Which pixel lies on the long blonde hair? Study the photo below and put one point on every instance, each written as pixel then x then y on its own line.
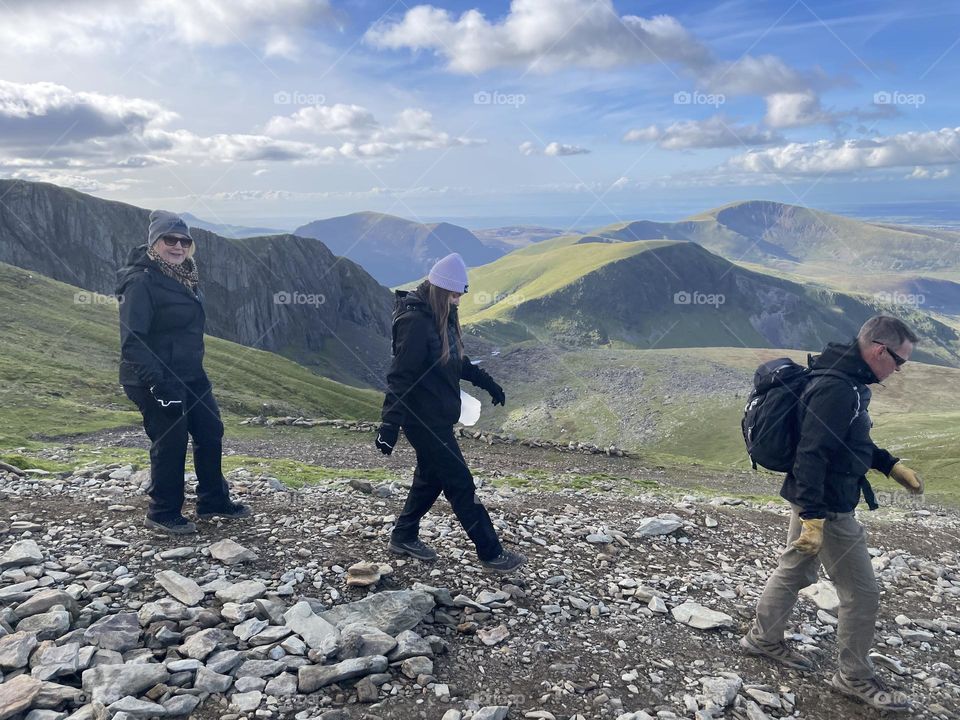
pixel 439 301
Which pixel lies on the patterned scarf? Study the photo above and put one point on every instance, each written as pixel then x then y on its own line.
pixel 185 273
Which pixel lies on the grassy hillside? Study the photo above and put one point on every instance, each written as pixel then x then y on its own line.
pixel 684 405
pixel 641 294
pixel 59 350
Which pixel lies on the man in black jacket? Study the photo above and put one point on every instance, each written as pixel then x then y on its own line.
pixel 824 487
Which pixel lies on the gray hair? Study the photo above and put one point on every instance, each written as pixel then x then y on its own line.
pixel 891 331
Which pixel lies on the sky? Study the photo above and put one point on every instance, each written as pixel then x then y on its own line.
pixel 572 113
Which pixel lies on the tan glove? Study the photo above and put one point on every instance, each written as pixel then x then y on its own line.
pixel 908 478
pixel 811 537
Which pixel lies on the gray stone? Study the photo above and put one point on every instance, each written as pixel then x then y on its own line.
pixel 15 650
pixel 224 661
pixel 409 645
pixel 391 612
pixel 360 640
pixel 136 708
pixel 46 599
pixel 316 631
pixel 17 695
pixel 246 702
pixel 182 588
pixel 660 525
pixel 201 644
pixel 120 632
pixel 180 553
pixel 249 684
pixel 315 677
pixel 269 635
pixel 416 666
pixel 260 668
pixel 248 628
pixel 53 661
pixel 18 592
pixel 823 594
pixel 46 626
pixel 283 685
pixel 492 712
pixel 180 705
pixel 25 552
pixel 721 691
pixel 241 592
pixel 230 552
pixel 163 609
pixel 108 683
pixel 697 616
pixel 212 682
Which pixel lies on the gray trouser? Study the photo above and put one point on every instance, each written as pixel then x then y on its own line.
pixel 844 556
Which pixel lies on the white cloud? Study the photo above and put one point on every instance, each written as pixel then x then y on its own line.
pixel 361 135
pixel 41 115
pixel 553 149
pixel 751 75
pixel 922 173
pixel 715 132
pixel 796 109
pixel 620 183
pixel 935 147
pixel 556 149
pixel 92 26
pixel 542 35
pixel 45 125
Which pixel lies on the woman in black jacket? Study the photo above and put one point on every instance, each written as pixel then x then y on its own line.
pixel 423 397
pixel 161 370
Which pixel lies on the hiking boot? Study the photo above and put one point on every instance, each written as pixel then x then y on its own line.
pixel 505 562
pixel 229 511
pixel 778 652
pixel 872 691
pixel 178 525
pixel 414 548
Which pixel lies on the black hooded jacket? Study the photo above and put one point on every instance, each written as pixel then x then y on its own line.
pixel 161 325
pixel 835 450
pixel 421 390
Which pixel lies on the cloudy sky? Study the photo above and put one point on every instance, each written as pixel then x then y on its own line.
pixel 278 111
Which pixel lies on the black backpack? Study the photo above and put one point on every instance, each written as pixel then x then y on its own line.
pixel 771 418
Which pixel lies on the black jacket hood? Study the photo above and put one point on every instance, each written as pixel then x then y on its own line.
pixel 846 358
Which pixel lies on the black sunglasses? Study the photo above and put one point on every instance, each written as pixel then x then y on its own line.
pixel 896 358
pixel 171 240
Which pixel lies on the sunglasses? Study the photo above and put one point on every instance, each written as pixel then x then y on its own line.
pixel 896 358
pixel 171 241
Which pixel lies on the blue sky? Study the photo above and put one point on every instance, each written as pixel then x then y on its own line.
pixel 570 111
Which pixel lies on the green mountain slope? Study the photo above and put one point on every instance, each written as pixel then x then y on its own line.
pixel 647 294
pixel 59 350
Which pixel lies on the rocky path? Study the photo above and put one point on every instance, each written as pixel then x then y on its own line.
pixel 630 607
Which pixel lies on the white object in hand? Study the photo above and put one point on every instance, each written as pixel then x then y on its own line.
pixel 469 409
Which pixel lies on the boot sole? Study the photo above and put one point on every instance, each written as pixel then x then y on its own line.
pixel 190 529
pixel 752 650
pixel 852 694
pixel 504 571
pixel 211 516
pixel 396 550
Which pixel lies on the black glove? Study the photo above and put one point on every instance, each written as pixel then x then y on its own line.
pixel 168 398
pixel 387 437
pixel 485 382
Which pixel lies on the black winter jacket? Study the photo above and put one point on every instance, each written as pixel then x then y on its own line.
pixel 161 325
pixel 420 389
pixel 835 450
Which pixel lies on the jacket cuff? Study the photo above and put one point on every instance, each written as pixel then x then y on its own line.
pixel 884 461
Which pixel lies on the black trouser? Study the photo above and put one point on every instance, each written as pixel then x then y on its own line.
pixel 441 468
pixel 168 449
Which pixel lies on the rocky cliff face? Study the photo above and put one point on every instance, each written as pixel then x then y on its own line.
pixel 283 293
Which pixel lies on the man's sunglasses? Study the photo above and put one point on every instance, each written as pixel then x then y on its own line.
pixel 896 358
pixel 171 240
